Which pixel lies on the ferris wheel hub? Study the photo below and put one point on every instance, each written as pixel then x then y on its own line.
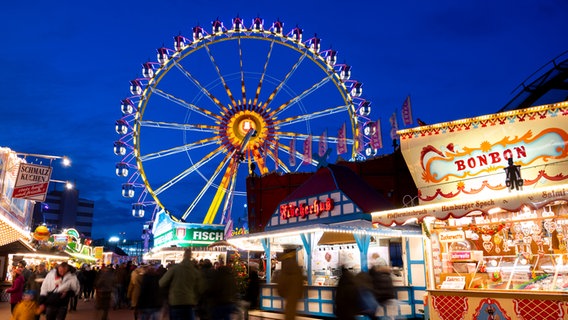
pixel 240 123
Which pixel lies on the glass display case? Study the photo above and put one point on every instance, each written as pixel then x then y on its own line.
pixel 524 250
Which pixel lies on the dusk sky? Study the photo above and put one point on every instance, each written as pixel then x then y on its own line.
pixel 66 66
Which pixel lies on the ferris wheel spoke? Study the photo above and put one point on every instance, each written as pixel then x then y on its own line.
pixel 227 206
pixel 221 191
pixel 285 80
pixel 301 96
pixel 175 150
pixel 263 73
pixel 180 126
pixel 207 185
pixel 201 88
pixel 229 93
pixel 310 116
pixel 185 104
pixel 243 90
pixel 189 170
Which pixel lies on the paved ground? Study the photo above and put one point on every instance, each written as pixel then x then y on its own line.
pixel 85 311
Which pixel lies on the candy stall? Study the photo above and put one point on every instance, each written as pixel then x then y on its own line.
pixel 493 199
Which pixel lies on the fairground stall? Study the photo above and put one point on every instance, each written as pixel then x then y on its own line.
pixel 327 219
pixel 493 196
pixel 171 238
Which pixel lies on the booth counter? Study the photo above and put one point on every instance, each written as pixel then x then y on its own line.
pixel 327 221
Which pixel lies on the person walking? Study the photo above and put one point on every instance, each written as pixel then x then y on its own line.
pixel 290 283
pixel 27 308
pixel 37 277
pixel 185 285
pixel 150 299
pixel 223 293
pixel 104 286
pixel 59 286
pixel 346 296
pixel 16 291
pixel 133 292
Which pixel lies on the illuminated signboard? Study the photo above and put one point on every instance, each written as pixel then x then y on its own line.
pixel 466 159
pixel 288 211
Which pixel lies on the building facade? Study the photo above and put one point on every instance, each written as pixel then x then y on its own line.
pixel 65 209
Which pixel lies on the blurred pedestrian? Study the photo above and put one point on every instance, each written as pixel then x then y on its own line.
pixel 383 287
pixel 104 286
pixel 90 276
pixel 75 298
pixel 133 292
pixel 253 289
pixel 290 283
pixel 223 292
pixel 185 285
pixel 59 286
pixel 205 302
pixel 346 296
pixel 16 291
pixel 36 278
pixel 150 299
pixel 27 273
pixel 27 308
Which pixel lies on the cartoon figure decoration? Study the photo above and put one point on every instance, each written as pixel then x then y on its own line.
pixel 513 178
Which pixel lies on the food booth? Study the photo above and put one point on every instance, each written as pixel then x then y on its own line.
pixel 493 199
pixel 171 238
pixel 327 220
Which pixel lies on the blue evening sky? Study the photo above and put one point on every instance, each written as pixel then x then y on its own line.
pixel 66 65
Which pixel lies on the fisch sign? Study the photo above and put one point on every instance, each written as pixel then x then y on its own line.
pixel 32 182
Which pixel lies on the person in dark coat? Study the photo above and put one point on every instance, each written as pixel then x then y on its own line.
pixel 223 293
pixel 383 287
pixel 346 296
pixel 290 283
pixel 253 289
pixel 150 299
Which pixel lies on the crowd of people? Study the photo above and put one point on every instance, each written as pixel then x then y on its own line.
pixel 184 291
pixel 188 290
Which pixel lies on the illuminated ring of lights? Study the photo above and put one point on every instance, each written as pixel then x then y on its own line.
pixel 231 118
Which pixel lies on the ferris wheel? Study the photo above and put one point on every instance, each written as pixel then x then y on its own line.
pixel 224 103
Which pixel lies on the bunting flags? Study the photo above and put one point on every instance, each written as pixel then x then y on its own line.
pixel 322 145
pixel 394 126
pixel 307 150
pixel 376 137
pixel 293 152
pixel 407 112
pixel 341 140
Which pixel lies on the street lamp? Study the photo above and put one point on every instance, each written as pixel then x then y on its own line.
pixel 65 161
pixel 68 184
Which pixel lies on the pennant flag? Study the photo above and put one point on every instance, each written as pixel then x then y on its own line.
pixel 264 150
pixel 276 156
pixel 376 137
pixel 361 139
pixel 341 140
pixel 293 152
pixel 322 146
pixel 394 126
pixel 407 112
pixel 307 150
pixel 229 229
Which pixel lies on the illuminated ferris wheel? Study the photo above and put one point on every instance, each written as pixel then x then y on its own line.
pixel 220 105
